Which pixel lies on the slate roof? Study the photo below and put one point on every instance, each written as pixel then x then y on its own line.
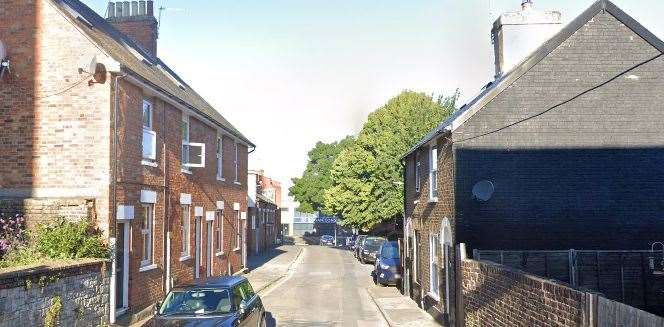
pixel 149 69
pixel 494 88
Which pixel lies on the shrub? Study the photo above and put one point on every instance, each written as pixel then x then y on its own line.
pixel 12 233
pixel 70 240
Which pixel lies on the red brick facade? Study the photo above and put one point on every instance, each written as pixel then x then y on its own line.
pixel 58 142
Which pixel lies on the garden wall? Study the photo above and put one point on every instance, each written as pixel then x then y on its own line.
pixel 69 295
pixel 496 295
pixel 40 210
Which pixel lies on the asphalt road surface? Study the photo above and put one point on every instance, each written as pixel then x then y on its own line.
pixel 325 287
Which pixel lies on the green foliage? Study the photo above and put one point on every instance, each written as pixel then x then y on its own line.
pixel 309 190
pixel 367 175
pixel 53 313
pixel 21 256
pixel 70 240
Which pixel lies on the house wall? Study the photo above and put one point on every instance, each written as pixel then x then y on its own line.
pixel 584 175
pixel 51 118
pixel 168 180
pixel 426 218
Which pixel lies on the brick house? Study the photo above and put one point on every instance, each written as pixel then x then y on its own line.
pixel 264 212
pixel 95 124
pixel 562 151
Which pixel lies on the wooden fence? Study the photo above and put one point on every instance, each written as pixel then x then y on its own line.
pixel 624 276
pixel 611 314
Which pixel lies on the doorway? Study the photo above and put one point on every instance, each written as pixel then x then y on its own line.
pixel 446 244
pixel 208 244
pixel 198 263
pixel 122 268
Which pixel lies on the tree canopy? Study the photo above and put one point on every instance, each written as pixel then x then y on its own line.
pixel 309 189
pixel 366 177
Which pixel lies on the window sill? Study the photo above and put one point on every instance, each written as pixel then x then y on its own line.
pixel 433 200
pixel 221 179
pixel 220 254
pixel 433 296
pixel 416 201
pixel 237 183
pixel 237 249
pixel 148 162
pixel 148 268
pixel 185 171
pixel 185 258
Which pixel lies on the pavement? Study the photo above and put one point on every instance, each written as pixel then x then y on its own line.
pixel 326 286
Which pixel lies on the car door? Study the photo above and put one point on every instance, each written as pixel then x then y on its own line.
pixel 252 303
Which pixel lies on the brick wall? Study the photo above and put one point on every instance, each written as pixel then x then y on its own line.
pixel 495 295
pixel 50 121
pixel 83 289
pixel 38 211
pixel 142 29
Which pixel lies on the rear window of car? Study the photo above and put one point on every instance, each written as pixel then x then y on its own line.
pixel 374 241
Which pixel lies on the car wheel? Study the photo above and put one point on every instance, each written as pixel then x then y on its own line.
pixel 375 280
pixel 362 260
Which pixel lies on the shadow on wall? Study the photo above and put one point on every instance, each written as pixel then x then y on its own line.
pixel 561 198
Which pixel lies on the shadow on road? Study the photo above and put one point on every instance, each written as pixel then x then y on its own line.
pixel 258 260
pixel 270 321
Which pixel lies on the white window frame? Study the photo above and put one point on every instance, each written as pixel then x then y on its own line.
pixel 147 239
pixel 184 158
pixel 185 231
pixel 149 135
pixel 219 230
pixel 220 157
pixel 417 171
pixel 434 252
pixel 433 174
pixel 236 162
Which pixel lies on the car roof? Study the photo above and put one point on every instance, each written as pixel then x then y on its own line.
pixel 222 282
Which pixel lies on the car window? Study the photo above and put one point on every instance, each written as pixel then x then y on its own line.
pixel 244 291
pixel 390 251
pixel 197 301
pixel 373 241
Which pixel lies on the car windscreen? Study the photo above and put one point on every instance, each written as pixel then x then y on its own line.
pixel 197 302
pixel 390 251
pixel 373 242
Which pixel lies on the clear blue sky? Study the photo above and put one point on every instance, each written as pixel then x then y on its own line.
pixel 291 72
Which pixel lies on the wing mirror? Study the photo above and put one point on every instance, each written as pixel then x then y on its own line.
pixel 243 307
pixel 156 307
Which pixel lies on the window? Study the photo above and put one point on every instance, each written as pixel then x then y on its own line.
pixel 184 229
pixel 184 127
pixel 149 135
pixel 219 230
pixel 236 243
pixel 146 234
pixel 220 159
pixel 417 171
pixel 433 266
pixel 433 174
pixel 236 162
pixel 416 259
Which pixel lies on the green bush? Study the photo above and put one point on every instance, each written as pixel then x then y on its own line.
pixel 70 240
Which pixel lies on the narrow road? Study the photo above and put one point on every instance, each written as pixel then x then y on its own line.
pixel 326 287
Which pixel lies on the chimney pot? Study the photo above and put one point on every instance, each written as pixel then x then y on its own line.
pixel 141 7
pixel 118 9
pixel 111 9
pixel 134 8
pixel 150 7
pixel 125 9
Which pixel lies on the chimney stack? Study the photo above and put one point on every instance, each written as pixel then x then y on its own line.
pixel 515 35
pixel 136 20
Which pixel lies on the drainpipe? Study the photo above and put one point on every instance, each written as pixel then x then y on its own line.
pixel 167 207
pixel 114 226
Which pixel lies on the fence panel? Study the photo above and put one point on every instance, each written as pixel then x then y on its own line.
pixel 611 314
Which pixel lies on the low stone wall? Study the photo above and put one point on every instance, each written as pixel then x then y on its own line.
pixel 70 295
pixel 40 210
pixel 496 295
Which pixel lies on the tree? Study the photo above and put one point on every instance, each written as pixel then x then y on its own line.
pixel 366 176
pixel 309 189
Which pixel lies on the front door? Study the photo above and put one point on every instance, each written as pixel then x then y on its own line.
pixel 208 253
pixel 198 263
pixel 448 276
pixel 122 268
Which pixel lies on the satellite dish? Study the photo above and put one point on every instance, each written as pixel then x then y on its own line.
pixel 92 66
pixel 483 190
pixel 3 51
pixel 99 73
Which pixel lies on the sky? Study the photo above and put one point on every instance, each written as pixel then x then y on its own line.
pixel 290 73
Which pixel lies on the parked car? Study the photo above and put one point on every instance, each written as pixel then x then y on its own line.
pixel 222 301
pixel 369 249
pixel 358 244
pixel 387 270
pixel 327 240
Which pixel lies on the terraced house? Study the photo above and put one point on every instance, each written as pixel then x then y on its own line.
pixel 95 125
pixel 561 151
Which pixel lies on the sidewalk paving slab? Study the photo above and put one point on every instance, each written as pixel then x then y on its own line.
pixel 399 310
pixel 267 268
